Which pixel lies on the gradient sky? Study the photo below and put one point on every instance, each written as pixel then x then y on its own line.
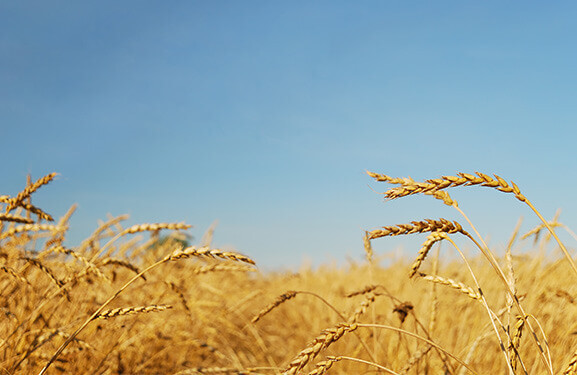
pixel 265 115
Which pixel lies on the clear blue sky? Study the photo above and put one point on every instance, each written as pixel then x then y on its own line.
pixel 264 115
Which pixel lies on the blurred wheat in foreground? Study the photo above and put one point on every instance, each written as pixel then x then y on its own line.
pixel 140 300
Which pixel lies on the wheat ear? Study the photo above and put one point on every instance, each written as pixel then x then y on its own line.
pixel 131 310
pixel 319 343
pixel 13 202
pixel 280 300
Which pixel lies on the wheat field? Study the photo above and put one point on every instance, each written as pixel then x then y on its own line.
pixel 137 299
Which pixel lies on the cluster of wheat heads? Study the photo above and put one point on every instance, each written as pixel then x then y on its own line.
pixel 127 300
pixel 102 306
pixel 506 314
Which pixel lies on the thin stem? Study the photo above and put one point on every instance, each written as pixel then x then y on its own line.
pixel 419 338
pixel 487 252
pixel 344 320
pixel 563 248
pixel 368 363
pixel 492 315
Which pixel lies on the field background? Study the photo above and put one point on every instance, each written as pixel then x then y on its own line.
pixel 128 300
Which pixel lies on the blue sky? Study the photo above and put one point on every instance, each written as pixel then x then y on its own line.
pixel 265 115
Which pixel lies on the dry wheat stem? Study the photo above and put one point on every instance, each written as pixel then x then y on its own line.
pixel 121 263
pixel 550 229
pixel 472 349
pixel 380 367
pixel 492 316
pixel 96 234
pixel 489 255
pixel 285 297
pixel 408 333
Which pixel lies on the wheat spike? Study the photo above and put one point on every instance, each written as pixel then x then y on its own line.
pixel 323 366
pixel 515 341
pixel 281 299
pixel 44 269
pixel 193 251
pixel 453 284
pixel 427 245
pixel 319 343
pixel 572 366
pixel 107 314
pixel 15 219
pixel 14 274
pixel 462 179
pixel 155 226
pixel 427 225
